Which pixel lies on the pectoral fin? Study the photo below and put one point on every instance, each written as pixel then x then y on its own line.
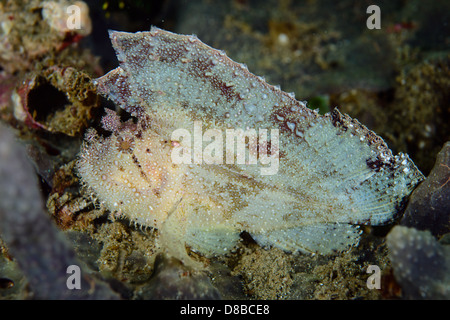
pixel 212 241
pixel 317 238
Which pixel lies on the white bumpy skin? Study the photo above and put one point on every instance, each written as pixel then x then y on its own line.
pixel 333 175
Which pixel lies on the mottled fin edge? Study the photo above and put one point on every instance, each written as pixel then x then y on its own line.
pixel 211 242
pixel 320 238
pixel 157 38
pixel 385 158
pixel 114 86
pixel 399 180
pixel 397 173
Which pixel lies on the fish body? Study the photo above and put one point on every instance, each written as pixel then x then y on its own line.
pixel 217 151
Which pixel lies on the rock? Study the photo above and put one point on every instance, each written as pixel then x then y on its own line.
pixel 40 249
pixel 428 207
pixel 421 264
pixel 173 280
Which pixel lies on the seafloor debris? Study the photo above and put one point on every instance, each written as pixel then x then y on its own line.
pixel 421 264
pixel 266 274
pixel 29 30
pixel 323 175
pixel 56 99
pixel 428 207
pixel 67 16
pixel 172 280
